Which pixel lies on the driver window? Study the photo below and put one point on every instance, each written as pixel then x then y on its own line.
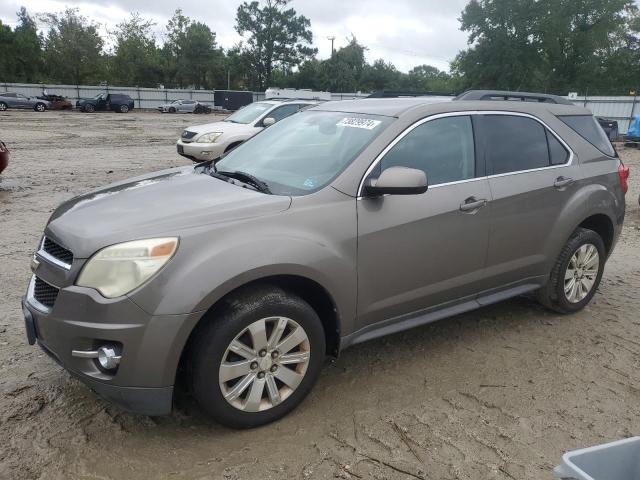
pixel 442 148
pixel 283 112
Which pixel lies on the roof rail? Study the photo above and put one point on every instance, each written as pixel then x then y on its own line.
pixel 293 99
pixel 406 93
pixel 512 96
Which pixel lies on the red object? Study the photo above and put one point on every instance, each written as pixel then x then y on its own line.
pixel 4 156
pixel 623 173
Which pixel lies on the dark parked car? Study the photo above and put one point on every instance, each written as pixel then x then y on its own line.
pixel 610 127
pixel 4 156
pixel 336 225
pixel 58 102
pixel 106 101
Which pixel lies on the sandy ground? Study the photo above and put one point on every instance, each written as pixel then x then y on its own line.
pixel 498 393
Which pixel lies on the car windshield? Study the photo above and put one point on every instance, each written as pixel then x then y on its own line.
pixel 303 153
pixel 249 114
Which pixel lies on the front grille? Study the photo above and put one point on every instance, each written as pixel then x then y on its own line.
pixel 44 293
pixel 187 135
pixel 57 251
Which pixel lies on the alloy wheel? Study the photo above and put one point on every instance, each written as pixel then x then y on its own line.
pixel 264 364
pixel 3 107
pixel 582 272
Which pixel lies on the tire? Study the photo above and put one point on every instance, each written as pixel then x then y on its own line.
pixel 172 110
pixel 3 106
pixel 89 108
pixel 39 107
pixel 264 308
pixel 123 109
pixel 586 280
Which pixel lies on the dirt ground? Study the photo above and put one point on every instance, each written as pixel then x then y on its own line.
pixel 499 393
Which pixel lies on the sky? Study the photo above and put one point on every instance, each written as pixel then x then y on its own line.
pixel 404 32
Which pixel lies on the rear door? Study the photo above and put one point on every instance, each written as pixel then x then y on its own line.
pixel 418 251
pixel 531 175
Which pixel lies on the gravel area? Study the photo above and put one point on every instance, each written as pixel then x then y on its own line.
pixel 498 393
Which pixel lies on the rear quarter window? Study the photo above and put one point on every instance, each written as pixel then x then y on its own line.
pixel 588 128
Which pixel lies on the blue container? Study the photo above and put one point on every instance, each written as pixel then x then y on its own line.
pixel 612 461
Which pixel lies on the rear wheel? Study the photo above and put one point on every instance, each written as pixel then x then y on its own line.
pixel 124 108
pixel 3 106
pixel 576 274
pixel 257 358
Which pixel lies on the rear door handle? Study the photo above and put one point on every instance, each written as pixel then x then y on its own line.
pixel 562 182
pixel 472 205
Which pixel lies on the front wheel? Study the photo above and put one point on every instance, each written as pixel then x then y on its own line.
pixel 40 107
pixel 257 357
pixel 3 106
pixel 89 108
pixel 576 274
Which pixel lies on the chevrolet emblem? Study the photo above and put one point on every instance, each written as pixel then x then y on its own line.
pixel 34 264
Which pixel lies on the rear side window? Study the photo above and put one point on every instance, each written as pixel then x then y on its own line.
pixel 588 128
pixel 442 148
pixel 514 143
pixel 557 153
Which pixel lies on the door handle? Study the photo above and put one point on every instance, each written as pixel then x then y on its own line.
pixel 472 205
pixel 562 182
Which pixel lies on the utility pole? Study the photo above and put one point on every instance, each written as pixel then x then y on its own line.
pixel 332 38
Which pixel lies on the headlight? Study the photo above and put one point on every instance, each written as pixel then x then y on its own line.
pixel 210 137
pixel 121 268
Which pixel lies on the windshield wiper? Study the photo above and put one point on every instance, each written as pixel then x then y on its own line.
pixel 247 178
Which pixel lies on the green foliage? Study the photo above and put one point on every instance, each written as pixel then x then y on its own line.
pixel 549 45
pixel 590 46
pixel 191 57
pixel 278 38
pixel 72 48
pixel 136 59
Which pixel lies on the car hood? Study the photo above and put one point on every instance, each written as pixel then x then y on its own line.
pixel 224 127
pixel 159 204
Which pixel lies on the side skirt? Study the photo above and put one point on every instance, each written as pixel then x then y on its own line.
pixel 433 314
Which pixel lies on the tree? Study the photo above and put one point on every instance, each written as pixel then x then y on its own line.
pixel 136 57
pixel 427 78
pixel 278 38
pixel 72 48
pixel 545 45
pixel 191 57
pixel 27 49
pixel 7 53
pixel 381 75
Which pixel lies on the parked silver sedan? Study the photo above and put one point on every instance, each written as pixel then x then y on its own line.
pixel 18 100
pixel 184 106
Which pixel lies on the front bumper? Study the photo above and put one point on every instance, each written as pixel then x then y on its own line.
pixel 82 320
pixel 200 151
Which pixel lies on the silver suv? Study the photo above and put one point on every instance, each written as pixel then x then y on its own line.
pixel 337 225
pixel 210 141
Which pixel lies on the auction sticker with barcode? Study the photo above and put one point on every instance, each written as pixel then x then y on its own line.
pixel 355 122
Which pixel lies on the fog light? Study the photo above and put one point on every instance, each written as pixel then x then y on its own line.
pixel 108 357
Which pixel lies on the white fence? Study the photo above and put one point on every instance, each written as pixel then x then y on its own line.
pixel 147 98
pixel 621 109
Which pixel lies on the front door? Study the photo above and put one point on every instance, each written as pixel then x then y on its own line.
pixel 419 251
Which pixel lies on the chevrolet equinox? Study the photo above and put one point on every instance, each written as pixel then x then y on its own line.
pixel 337 225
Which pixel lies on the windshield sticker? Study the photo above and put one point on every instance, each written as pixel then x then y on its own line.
pixel 353 122
pixel 309 183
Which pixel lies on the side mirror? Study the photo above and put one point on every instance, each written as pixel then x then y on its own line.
pixel 397 181
pixel 267 122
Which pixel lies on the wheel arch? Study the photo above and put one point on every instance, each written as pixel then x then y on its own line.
pixel 603 226
pixel 306 288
